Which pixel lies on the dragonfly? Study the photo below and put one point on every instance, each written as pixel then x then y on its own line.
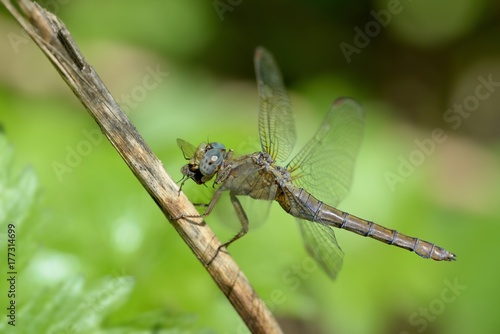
pixel 309 186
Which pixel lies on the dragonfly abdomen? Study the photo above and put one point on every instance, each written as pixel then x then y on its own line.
pixel 422 248
pixel 323 213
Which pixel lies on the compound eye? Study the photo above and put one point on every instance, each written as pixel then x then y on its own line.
pixel 218 146
pixel 211 161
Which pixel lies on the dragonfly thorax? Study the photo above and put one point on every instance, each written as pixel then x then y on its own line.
pixel 265 160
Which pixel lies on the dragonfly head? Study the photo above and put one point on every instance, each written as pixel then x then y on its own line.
pixel 205 162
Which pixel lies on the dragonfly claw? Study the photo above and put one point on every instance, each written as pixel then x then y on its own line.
pixel 215 255
pixel 187 218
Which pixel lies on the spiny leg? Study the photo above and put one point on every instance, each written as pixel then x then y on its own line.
pixel 201 204
pixel 210 206
pixel 243 220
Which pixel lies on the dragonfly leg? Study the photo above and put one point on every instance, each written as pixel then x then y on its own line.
pixel 210 206
pixel 201 204
pixel 242 216
pixel 243 220
pixel 183 180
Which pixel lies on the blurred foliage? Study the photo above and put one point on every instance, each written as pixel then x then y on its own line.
pixel 184 69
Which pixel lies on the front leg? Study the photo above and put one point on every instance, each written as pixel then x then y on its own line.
pixel 243 220
pixel 210 206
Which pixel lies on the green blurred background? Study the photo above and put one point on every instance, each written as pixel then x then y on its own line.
pixel 92 226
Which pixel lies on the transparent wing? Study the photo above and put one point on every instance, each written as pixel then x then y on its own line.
pixel 257 212
pixel 188 150
pixel 324 167
pixel 276 127
pixel 322 245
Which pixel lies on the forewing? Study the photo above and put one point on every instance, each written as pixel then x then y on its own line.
pixel 276 127
pixel 322 245
pixel 324 167
pixel 188 150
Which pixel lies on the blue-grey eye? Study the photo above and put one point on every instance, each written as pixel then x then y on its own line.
pixel 218 146
pixel 212 159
